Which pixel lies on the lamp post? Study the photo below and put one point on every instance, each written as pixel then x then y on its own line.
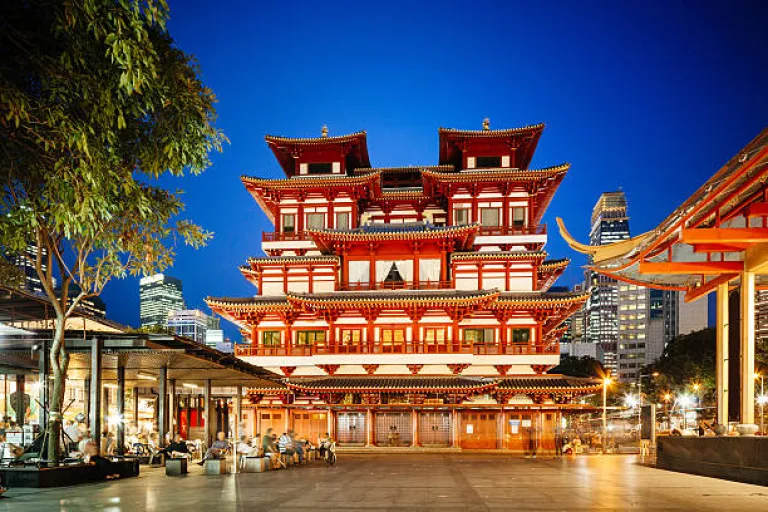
pixel 606 383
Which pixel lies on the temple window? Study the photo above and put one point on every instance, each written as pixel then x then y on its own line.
pixel 270 338
pixel 489 216
pixel 342 220
pixel 435 335
pixel 521 335
pixel 289 223
pixel 315 220
pixel 392 336
pixel 320 168
pixel 480 336
pixel 351 336
pixel 310 337
pixel 487 162
pixel 461 216
pixel 518 217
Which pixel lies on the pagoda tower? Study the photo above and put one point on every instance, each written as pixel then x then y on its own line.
pixel 408 306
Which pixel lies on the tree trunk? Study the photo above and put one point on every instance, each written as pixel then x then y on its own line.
pixel 59 365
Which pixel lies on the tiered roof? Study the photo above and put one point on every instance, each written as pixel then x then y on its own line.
pixel 523 140
pixel 353 148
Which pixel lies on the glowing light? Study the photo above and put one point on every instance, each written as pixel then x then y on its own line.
pixel 685 401
pixel 607 381
pixel 762 399
pixel 631 401
pixel 667 397
pixel 696 386
pixel 114 419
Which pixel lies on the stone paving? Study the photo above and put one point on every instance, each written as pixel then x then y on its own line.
pixel 410 482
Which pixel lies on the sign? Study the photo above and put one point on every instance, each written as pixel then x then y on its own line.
pixel 527 423
pixel 514 425
pixel 470 428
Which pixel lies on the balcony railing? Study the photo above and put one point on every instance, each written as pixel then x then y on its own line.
pixel 398 285
pixel 280 236
pixel 406 347
pixel 513 230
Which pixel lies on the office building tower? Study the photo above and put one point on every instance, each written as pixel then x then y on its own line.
pixel 158 295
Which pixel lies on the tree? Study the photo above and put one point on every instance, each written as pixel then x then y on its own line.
pixel 583 366
pixel 96 104
pixel 687 359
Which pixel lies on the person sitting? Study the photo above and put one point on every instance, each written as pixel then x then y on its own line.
pixel 106 468
pixel 324 442
pixel 73 436
pixel 177 449
pixel 269 447
pixel 285 444
pixel 298 445
pixel 218 449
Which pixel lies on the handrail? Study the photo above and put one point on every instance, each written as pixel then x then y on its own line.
pixel 281 236
pixel 395 285
pixel 405 347
pixel 541 229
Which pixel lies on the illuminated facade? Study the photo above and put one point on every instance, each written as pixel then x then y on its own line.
pixel 408 306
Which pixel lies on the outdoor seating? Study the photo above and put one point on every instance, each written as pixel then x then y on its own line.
pixel 254 465
pixel 216 466
pixel 176 466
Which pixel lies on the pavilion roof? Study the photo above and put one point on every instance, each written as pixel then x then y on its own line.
pixel 383 232
pixel 394 298
pixel 524 139
pixel 406 383
pixel 540 299
pixel 499 255
pixel 310 181
pixel 547 383
pixel 278 260
pixel 704 240
pixel 286 148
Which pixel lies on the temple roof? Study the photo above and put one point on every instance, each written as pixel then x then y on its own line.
pixel 310 181
pixel 353 148
pixel 499 174
pixel 703 241
pixel 404 168
pixel 258 302
pixel 395 298
pixel 540 299
pixel 277 260
pixel 499 255
pixel 436 384
pixel 522 141
pixel 406 231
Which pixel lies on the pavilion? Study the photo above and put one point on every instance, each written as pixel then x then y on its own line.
pixel 717 240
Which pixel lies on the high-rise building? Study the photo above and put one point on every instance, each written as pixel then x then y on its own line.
pixel 94 306
pixel 408 306
pixel 574 333
pixel 158 295
pixel 191 323
pixel 610 223
pixel 26 263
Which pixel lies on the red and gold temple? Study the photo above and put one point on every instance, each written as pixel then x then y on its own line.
pixel 408 306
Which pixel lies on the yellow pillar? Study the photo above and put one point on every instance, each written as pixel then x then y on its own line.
pixel 722 354
pixel 747 412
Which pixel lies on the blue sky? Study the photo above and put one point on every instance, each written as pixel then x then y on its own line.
pixel 652 97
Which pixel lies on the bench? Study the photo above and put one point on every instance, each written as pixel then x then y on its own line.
pixel 216 467
pixel 176 467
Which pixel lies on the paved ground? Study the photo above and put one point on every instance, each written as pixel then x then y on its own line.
pixel 411 482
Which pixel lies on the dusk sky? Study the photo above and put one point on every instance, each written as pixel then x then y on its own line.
pixel 649 97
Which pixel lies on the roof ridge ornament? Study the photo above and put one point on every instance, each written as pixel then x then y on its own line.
pixel 486 124
pixel 324 131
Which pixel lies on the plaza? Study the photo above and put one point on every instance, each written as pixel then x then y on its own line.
pixel 410 482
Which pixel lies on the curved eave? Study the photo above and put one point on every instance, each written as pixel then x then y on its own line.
pixel 309 182
pixel 541 301
pixel 499 174
pixel 246 305
pixel 337 139
pixel 366 299
pixel 500 256
pixel 281 260
pixel 528 129
pixel 437 234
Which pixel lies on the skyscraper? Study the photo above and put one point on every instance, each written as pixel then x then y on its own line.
pixel 610 223
pixel 158 295
pixel 26 263
pixel 192 323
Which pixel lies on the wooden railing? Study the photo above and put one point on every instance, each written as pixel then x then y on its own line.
pixel 406 347
pixel 399 285
pixel 512 230
pixel 280 236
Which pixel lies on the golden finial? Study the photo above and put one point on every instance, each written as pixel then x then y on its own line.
pixel 486 124
pixel 324 131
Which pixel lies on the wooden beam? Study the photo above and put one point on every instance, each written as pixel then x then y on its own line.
pixel 719 247
pixel 724 235
pixel 756 258
pixel 709 286
pixel 757 210
pixel 692 267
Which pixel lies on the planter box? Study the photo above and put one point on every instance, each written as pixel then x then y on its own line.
pixel 30 476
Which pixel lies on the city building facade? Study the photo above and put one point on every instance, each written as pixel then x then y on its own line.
pixel 159 295
pixel 191 323
pixel 408 306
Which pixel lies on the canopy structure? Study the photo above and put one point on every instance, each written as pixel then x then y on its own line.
pixel 716 239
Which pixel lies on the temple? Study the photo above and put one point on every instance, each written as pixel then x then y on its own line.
pixel 408 306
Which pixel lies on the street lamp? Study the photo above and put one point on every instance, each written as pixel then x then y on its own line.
pixel 606 382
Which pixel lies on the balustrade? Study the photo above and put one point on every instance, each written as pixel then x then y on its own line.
pixel 406 347
pixel 513 230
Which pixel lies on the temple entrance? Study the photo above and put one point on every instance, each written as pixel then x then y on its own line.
pixel 435 429
pixel 273 419
pixel 548 423
pixel 310 425
pixel 479 429
pixel 394 429
pixel 350 428
pixel 517 431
